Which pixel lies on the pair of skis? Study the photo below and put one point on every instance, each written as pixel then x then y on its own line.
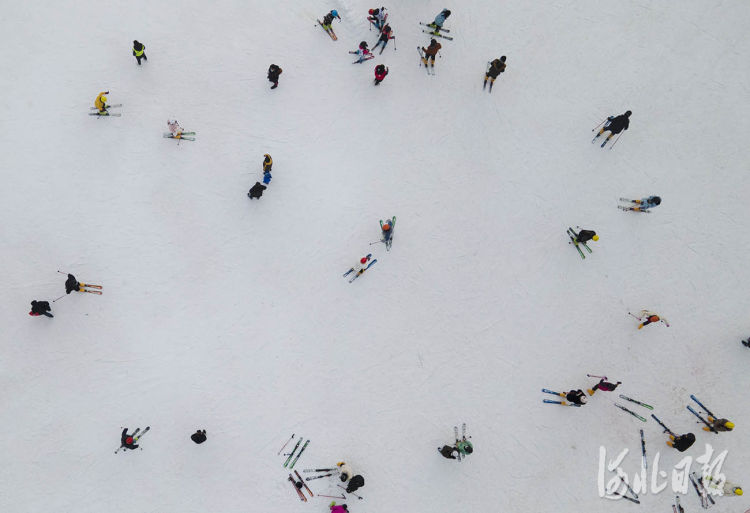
pixel 436 31
pixel 106 112
pixel 135 436
pixel 328 31
pixel 364 58
pixel 606 139
pixel 291 454
pixel 85 287
pixel 423 60
pixel 700 489
pixel 181 136
pixel 642 419
pixel 561 403
pixel 298 486
pixel 574 240
pixel 631 208
pixel 359 273
pixel 634 497
pixel 708 412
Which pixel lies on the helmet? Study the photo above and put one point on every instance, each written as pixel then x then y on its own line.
pixel 657 200
pixel 628 113
pixel 129 440
pixel 363 260
pixel 371 11
pixel 502 59
pixel 267 155
pixel 447 12
pixel 469 449
pixel 737 490
pixel 595 237
pixel 335 13
pixel 103 98
pixel 729 425
pixel 433 41
pixel 386 226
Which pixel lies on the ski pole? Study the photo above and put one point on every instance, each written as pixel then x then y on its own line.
pixel 600 124
pixel 613 144
pixel 592 376
pixel 290 439
pixel 376 242
pixel 61 272
pixel 350 493
pixel 394 43
pixel 59 298
pixel 332 496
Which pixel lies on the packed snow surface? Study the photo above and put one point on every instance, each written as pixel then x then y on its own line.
pixel 231 315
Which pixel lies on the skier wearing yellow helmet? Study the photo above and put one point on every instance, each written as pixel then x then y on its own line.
pixel 267 165
pixel 719 424
pixel 101 102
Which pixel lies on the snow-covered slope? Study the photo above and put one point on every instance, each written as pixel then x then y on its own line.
pixel 231 315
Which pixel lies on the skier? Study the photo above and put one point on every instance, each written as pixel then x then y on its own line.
pixel 128 441
pixel 496 67
pixel 385 36
pixel 586 235
pixel 682 443
pixel 338 509
pixel 72 284
pixel 40 308
pixel 386 230
pixel 377 17
pixel 604 386
pixel 256 191
pixel 647 318
pixel 380 72
pixel 464 447
pixel 355 483
pixel 449 451
pixel 139 50
pixel 273 75
pixel 576 397
pixel 345 471
pixel 719 424
pixel 199 436
pixel 646 203
pixel 728 488
pixel 431 51
pixel 439 20
pixel 267 164
pixel 101 103
pixel 328 19
pixel 363 52
pixel 174 128
pixel 615 125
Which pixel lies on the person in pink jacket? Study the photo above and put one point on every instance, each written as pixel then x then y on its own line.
pixel 339 509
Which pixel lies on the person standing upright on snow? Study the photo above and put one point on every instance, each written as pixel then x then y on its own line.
pixel 380 72
pixel 40 308
pixel 139 52
pixel 267 165
pixel 328 19
pixel 604 386
pixel 646 318
pixel 377 17
pixel 101 102
pixel 128 441
pixel 273 75
pixel 496 67
pixel 385 36
pixel 615 125
pixel 386 230
pixel 437 24
pixel 431 51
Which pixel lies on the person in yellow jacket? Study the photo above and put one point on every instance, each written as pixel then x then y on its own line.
pixel 101 103
pixel 139 51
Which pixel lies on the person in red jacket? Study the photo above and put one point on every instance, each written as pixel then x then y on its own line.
pixel 380 72
pixel 385 35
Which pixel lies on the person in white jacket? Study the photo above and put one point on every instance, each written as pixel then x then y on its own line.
pixel 729 488
pixel 345 471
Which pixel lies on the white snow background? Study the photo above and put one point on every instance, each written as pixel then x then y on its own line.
pixel 232 315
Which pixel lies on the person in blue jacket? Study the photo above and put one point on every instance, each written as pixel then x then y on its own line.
pixel 440 19
pixel 646 203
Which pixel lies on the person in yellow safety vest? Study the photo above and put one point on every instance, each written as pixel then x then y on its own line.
pixel 139 50
pixel 101 102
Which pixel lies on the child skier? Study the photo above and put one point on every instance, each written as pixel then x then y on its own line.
pixel 439 20
pixel 604 386
pixel 380 72
pixel 615 125
pixel 128 441
pixel 40 308
pixel 363 52
pixel 464 447
pixel 645 317
pixel 256 191
pixel 273 75
pixel 682 443
pixel 328 19
pixel 174 128
pixel 139 50
pixel 431 51
pixel 496 67
pixel 101 103
pixel 385 36
pixel 360 267
pixel 377 17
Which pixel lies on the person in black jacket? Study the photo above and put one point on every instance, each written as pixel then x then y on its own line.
pixel 273 75
pixel 586 235
pixel 40 308
pixel 615 125
pixel 682 443
pixel 355 483
pixel 448 451
pixel 256 191
pixel 576 397
pixel 71 284
pixel 199 436
pixel 127 440
pixel 139 52
pixel 496 67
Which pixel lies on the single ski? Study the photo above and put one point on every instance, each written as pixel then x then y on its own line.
pixel 431 25
pixel 702 406
pixel 643 451
pixel 317 477
pixel 170 134
pixel 546 391
pixel 666 429
pixel 318 469
pixel 634 414
pixel 636 402
pixel 108 114
pixel 299 492
pixel 626 497
pixel 303 484
pixel 90 286
pixel 710 427
pixel 363 270
pixel 632 492
pixel 679 506
pixel 91 291
pixel 299 454
pixel 449 38
pixel 561 403
pixel 292 453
